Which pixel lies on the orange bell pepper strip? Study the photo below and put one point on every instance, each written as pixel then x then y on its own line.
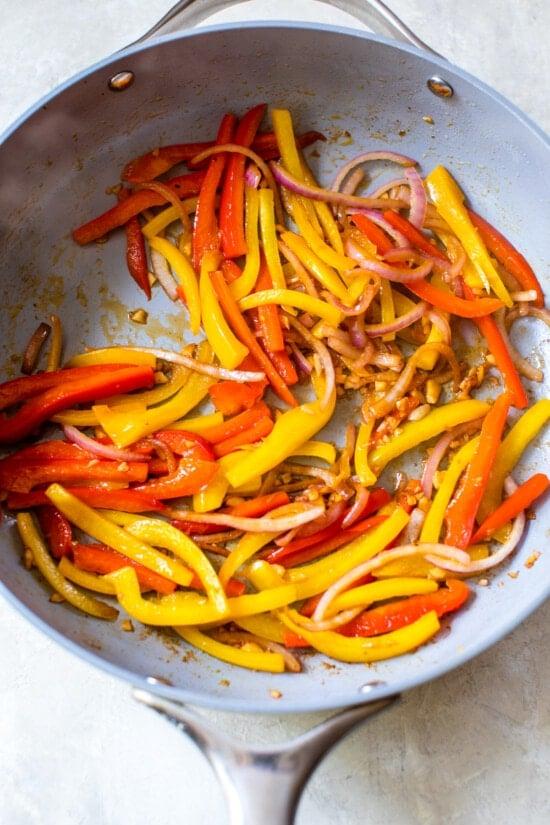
pixel 136 255
pixel 129 501
pixel 186 444
pixel 512 260
pixel 230 397
pixel 43 452
pixel 232 197
pixel 413 235
pixel 461 513
pixel 205 230
pixel 22 477
pixel 189 477
pixel 452 303
pixel 39 408
pixel 119 215
pixel 260 505
pixel 237 424
pixel 258 430
pixel 231 271
pixel 243 332
pixel 398 614
pixel 284 366
pixel 522 498
pixel 268 316
pixel 373 232
pixel 97 558
pixel 57 530
pixel 501 354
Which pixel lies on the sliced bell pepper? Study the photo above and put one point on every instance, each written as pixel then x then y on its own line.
pixel 461 513
pixel 452 303
pixel 230 397
pixel 326 253
pixel 255 432
pixel 46 565
pixel 322 272
pixel 128 500
pixel 414 433
pixel 205 230
pixel 90 581
pixel 390 617
pixel 198 424
pixel 232 197
pixel 323 211
pixel 521 434
pixel 364 595
pixel 243 332
pixel 119 215
pixel 244 284
pixel 136 255
pixel 45 451
pixel 449 202
pixel 268 315
pixel 186 277
pixel 512 260
pixel 414 235
pixel 360 458
pixel 291 297
pixel 41 407
pixel 189 477
pixel 503 360
pixel 373 232
pixel 186 444
pixel 260 505
pixel 268 231
pixel 228 348
pixel 284 366
pixel 251 659
pixel 113 357
pixel 97 558
pixel 237 424
pixel 21 478
pixel 56 529
pixel 519 500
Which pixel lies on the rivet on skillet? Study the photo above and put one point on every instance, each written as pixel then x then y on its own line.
pixel 370 686
pixel 159 680
pixel 439 87
pixel 121 81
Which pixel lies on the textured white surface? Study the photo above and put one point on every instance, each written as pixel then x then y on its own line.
pixel 473 747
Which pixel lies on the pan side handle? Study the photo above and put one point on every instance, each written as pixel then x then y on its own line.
pixel 262 784
pixel 373 13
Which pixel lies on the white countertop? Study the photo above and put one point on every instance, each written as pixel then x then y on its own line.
pixel 473 747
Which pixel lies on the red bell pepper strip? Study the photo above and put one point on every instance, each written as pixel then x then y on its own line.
pixel 522 498
pixel 512 260
pixel 129 501
pixel 497 345
pixel 258 430
pixel 413 234
pixel 461 513
pixel 183 186
pixel 285 367
pixel 237 424
pixel 232 197
pixel 451 303
pixel 292 640
pixel 97 558
pixel 373 232
pixel 186 444
pixel 160 160
pixel 41 407
pixel 309 606
pixel 231 271
pixel 378 498
pixel 260 505
pixel 20 389
pixel 398 614
pixel 46 451
pixel 230 397
pixel 21 478
pixel 243 332
pixel 268 316
pixel 234 588
pixel 195 528
pixel 56 529
pixel 188 479
pixel 136 256
pixel 205 230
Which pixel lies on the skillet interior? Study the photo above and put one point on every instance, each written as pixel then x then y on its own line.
pixel 54 171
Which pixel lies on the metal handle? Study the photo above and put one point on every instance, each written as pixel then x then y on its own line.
pixel 262 785
pixel 373 13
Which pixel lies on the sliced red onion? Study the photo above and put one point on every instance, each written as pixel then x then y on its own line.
pixel 361 307
pixel 324 357
pixel 365 157
pixel 286 538
pixel 524 367
pixel 355 179
pixel 362 496
pixel 388 360
pixel 413 528
pixel 241 376
pixel 419 201
pixel 74 435
pixel 317 193
pixel 301 361
pixel 433 462
pixel 163 274
pixel 251 525
pixel 377 218
pixel 439 321
pixel 252 176
pixel 391 273
pixel 331 514
pixel 387 187
pixel 342 348
pixel 356 329
pixel 344 617
pixel 401 322
pixel 522 312
pixel 365 358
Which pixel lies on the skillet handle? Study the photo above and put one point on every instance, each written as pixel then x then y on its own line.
pixel 373 13
pixel 262 785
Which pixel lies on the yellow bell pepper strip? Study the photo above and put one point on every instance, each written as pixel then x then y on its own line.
pixel 433 522
pixel 212 496
pixel 33 541
pixel 113 355
pixel 244 284
pixel 163 219
pixel 229 460
pixel 290 297
pixel 252 603
pixel 91 581
pixel 185 274
pixel 520 436
pixel 429 359
pixel 251 659
pixel 269 238
pixel 324 212
pixel 76 418
pixel 247 546
pixel 367 594
pixel 124 428
pixel 160 393
pixel 415 432
pixel 325 274
pixel 229 350
pixel 317 449
pixel 416 566
pixel 198 424
pixel 265 625
pixel 449 202
pixel 161 534
pixel 369 649
pixel 263 575
pixel 325 252
pixel 387 308
pixel 292 429
pixel 314 578
pixel 361 461
pixel 101 529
